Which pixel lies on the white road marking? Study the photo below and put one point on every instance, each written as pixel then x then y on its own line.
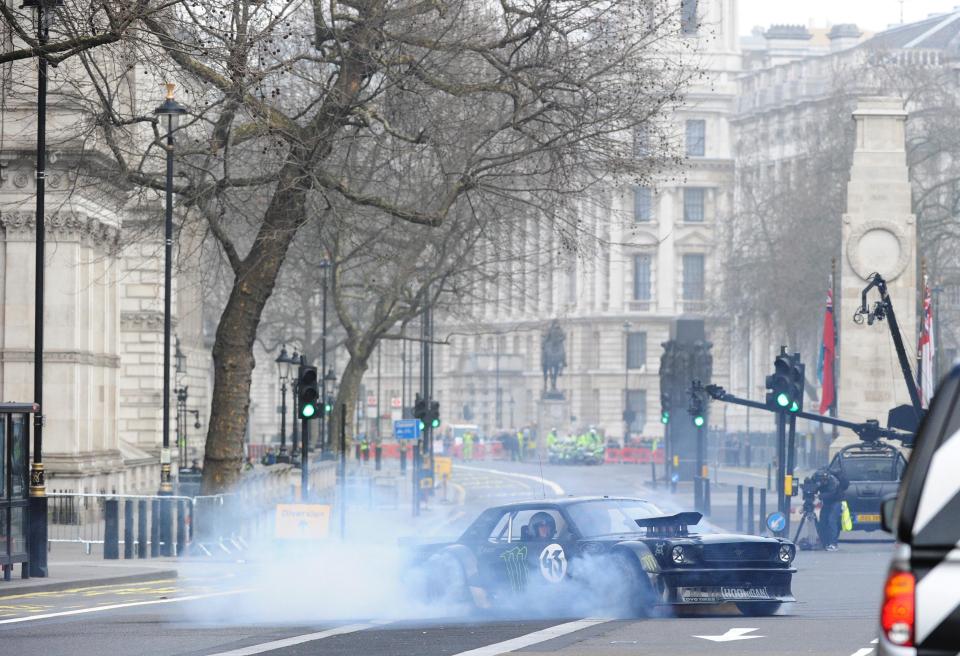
pixel 546 482
pixel 132 604
pixel 532 638
pixel 866 651
pixel 295 640
pixel 875 641
pixel 731 635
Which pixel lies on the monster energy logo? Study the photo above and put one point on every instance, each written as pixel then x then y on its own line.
pixel 516 563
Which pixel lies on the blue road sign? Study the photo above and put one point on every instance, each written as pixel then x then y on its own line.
pixel 406 429
pixel 776 521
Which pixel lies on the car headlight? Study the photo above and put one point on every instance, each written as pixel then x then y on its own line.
pixel 786 553
pixel 678 556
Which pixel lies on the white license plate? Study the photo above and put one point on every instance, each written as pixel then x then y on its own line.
pixel 744 593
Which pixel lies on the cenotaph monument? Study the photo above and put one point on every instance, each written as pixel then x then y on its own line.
pixel 879 235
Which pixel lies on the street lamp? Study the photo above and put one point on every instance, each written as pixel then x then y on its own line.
pixel 324 447
pixel 283 372
pixel 329 385
pixel 169 113
pixel 181 392
pixel 295 361
pixel 44 12
pixel 627 414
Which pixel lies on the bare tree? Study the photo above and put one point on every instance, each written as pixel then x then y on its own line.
pixel 531 102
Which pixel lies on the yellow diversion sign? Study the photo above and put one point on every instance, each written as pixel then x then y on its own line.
pixel 302 521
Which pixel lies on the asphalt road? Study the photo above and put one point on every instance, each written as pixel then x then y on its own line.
pixel 350 602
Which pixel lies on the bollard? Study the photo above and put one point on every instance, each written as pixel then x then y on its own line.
pixel 653 473
pixel 403 459
pixel 166 527
pixel 142 537
pixel 356 449
pixel 706 496
pixel 181 526
pixel 128 528
pixel 750 515
pixel 739 509
pixel 111 529
pixel 698 494
pixel 768 475
pixel 377 455
pixel 763 510
pixel 154 528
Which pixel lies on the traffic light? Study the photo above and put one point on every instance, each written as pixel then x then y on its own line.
pixel 420 410
pixel 698 404
pixel 434 414
pixel 785 385
pixel 664 406
pixel 328 405
pixel 664 417
pixel 779 394
pixel 308 392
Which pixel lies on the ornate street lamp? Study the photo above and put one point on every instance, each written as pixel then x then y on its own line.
pixel 627 412
pixel 44 12
pixel 283 372
pixel 169 113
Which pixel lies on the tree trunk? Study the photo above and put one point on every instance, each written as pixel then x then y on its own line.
pixel 233 359
pixel 347 396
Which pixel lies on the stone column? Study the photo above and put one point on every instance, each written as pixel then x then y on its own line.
pixel 879 234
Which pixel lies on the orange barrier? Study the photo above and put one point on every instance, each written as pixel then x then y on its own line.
pixel 638 455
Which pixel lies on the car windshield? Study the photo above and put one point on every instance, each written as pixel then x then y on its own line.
pixel 610 516
pixel 872 468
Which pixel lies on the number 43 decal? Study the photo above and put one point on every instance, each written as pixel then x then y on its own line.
pixel 553 563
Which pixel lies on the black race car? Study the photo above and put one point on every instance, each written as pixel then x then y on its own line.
pixel 623 553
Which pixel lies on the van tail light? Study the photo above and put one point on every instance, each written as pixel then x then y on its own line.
pixel 897 615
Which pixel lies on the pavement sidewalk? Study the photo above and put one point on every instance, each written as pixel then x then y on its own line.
pixel 69 569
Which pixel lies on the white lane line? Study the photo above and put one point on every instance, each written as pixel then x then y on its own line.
pixel 866 651
pixel 132 604
pixel 295 640
pixel 527 477
pixel 533 638
pixel 875 641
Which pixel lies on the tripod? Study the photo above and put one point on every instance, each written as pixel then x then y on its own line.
pixel 808 514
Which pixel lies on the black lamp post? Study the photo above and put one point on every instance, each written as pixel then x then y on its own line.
pixel 627 412
pixel 169 113
pixel 283 370
pixel 329 386
pixel 295 361
pixel 44 13
pixel 180 368
pixel 324 447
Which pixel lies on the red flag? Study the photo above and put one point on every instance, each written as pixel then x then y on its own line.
pixel 827 354
pixel 926 348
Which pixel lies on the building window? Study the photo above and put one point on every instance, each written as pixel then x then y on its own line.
pixel 641 277
pixel 642 204
pixel 694 203
pixel 688 17
pixel 696 138
pixel 693 277
pixel 637 401
pixel 636 350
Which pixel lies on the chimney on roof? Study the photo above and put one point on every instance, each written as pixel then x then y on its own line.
pixel 844 36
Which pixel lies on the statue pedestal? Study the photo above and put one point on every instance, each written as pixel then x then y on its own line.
pixel 553 411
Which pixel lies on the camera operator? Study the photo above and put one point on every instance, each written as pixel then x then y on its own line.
pixel 831 485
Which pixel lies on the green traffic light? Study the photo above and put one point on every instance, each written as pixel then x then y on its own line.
pixel 327 408
pixel 422 425
pixel 435 423
pixel 308 410
pixel 698 421
pixel 665 418
pixel 794 407
pixel 783 400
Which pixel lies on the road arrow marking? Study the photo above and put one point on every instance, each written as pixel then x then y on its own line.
pixel 731 635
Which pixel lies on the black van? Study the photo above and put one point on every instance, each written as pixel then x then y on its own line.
pixel 920 615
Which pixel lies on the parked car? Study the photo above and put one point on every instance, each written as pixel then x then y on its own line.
pixel 874 470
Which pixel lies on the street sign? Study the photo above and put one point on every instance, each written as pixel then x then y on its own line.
pixel 776 521
pixel 302 521
pixel 406 429
pixel 396 402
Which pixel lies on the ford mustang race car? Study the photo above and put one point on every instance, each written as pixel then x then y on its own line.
pixel 624 551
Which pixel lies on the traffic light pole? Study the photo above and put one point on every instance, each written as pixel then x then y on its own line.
pixel 304 463
pixel 781 461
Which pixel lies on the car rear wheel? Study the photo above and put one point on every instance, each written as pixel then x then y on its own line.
pixel 447 582
pixel 759 609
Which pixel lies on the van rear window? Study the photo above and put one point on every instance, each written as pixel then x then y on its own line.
pixel 872 469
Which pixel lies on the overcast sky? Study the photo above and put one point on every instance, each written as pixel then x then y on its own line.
pixel 873 15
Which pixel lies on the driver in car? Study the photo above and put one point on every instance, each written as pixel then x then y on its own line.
pixel 542 526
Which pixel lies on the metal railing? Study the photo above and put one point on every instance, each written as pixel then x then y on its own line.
pixel 141 526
